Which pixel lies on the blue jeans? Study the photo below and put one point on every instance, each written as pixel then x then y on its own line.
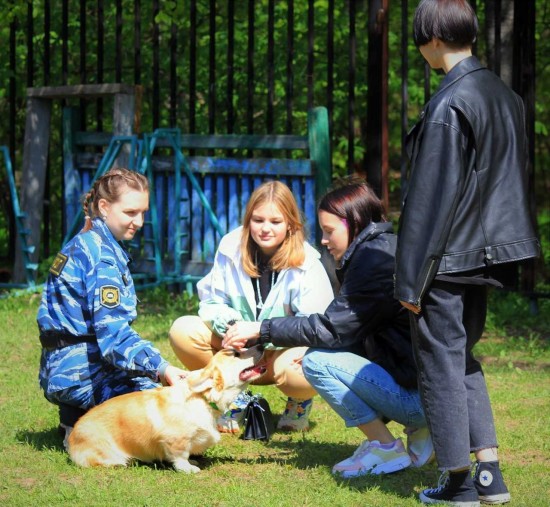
pixel 451 380
pixel 360 391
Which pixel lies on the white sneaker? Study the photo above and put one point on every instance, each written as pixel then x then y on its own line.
pixel 419 446
pixel 371 458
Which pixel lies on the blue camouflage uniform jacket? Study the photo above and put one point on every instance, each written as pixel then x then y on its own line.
pixel 85 317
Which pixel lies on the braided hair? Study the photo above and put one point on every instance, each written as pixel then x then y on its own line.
pixel 110 187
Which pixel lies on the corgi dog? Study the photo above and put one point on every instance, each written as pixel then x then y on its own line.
pixel 167 423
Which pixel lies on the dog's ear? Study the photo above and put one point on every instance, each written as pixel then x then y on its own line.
pixel 218 385
pixel 217 380
pixel 209 378
pixel 200 381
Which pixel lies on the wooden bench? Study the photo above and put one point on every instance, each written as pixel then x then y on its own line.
pixel 201 184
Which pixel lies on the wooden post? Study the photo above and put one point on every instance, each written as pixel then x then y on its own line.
pixel 523 82
pixel 123 123
pixel 376 157
pixel 35 158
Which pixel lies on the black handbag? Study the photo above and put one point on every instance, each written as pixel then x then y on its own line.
pixel 258 419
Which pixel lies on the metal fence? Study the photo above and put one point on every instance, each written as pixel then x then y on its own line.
pixel 250 66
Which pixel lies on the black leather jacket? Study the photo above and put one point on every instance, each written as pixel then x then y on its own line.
pixel 465 206
pixel 363 315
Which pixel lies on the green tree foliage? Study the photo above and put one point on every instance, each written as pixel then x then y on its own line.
pixel 172 23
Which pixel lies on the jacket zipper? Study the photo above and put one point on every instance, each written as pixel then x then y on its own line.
pixel 425 284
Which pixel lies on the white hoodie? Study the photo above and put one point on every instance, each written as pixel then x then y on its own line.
pixel 227 287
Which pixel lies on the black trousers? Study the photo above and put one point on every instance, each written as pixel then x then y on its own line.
pixel 451 381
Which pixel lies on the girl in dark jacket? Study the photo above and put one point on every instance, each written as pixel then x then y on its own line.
pixel 360 360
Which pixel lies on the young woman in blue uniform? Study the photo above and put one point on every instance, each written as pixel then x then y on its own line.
pixel 90 352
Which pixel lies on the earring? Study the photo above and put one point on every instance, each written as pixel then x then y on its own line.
pixel 103 217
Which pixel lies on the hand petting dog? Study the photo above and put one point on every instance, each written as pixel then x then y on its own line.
pixel 239 333
pixel 173 374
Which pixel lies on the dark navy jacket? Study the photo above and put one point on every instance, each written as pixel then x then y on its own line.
pixel 364 313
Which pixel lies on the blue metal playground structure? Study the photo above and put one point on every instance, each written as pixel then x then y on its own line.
pixel 20 227
pixel 196 197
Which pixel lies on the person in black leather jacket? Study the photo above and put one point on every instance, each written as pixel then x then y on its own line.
pixel 465 214
pixel 361 361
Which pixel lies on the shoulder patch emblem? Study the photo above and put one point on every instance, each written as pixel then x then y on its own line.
pixel 58 264
pixel 109 296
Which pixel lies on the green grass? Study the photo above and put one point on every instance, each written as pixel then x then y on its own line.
pixel 291 470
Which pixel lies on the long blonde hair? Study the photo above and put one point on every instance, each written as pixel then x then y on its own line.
pixel 110 187
pixel 291 252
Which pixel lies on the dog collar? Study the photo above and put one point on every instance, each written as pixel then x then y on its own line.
pixel 214 406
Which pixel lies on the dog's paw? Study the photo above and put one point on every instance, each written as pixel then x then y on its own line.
pixel 183 465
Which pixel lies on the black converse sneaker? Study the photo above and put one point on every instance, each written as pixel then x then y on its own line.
pixel 490 484
pixel 453 489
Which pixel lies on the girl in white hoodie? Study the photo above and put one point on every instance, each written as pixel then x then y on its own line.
pixel 263 269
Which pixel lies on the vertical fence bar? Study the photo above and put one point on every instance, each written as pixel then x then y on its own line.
pixel 30 45
pixel 498 38
pixel 118 41
pixel 212 70
pixel 64 41
pixel 82 61
pixel 12 93
pixel 375 160
pixel 351 88
pixel 13 85
pixel 46 46
pixel 330 62
pixel 173 70
pixel 250 70
pixel 192 65
pixel 404 91
pixel 137 41
pixel 270 66
pixel 310 50
pixel 384 141
pixel 156 65
pixel 99 64
pixel 290 67
pixel 230 64
pixel 474 7
pixel 47 182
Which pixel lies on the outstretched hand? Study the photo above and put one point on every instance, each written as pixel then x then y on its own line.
pixel 173 374
pixel 239 333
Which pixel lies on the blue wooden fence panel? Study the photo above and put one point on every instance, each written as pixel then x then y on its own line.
pixel 184 228
pixel 234 214
pixel 183 238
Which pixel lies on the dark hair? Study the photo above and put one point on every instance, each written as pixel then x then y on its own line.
pixel 454 22
pixel 353 200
